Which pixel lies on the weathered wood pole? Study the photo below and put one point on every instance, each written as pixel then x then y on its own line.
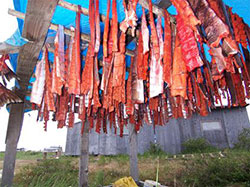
pixel 84 157
pixel 13 133
pixel 133 151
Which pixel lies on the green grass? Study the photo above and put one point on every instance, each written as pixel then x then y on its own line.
pixel 56 172
pixel 27 155
pixel 232 170
pixel 104 170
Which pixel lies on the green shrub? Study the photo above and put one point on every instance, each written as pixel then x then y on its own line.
pixel 231 170
pixel 199 145
pixel 243 140
pixel 154 150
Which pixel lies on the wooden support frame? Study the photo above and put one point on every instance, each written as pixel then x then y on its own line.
pixel 84 37
pixel 8 49
pixel 133 151
pixel 84 157
pixel 85 12
pixel 13 134
pixel 36 25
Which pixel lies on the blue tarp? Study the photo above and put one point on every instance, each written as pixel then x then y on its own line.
pixel 66 18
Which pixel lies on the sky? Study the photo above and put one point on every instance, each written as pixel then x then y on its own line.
pixel 33 136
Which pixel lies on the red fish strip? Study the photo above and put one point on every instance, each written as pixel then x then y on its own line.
pixel 74 77
pixel 167 57
pixel 154 37
pixel 114 26
pixel 98 30
pixel 92 25
pixel 106 32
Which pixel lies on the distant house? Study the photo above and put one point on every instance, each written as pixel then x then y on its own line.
pixel 221 128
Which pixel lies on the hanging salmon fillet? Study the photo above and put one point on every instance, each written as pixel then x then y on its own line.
pixel 156 67
pixel 96 101
pixel 140 63
pixel 137 84
pixel 49 100
pixel 130 17
pixel 119 71
pixel 74 77
pixel 38 85
pixel 5 71
pixel 154 38
pixel 130 103
pixel 144 32
pixel 167 57
pixel 87 82
pixel 218 58
pixel 155 76
pixel 239 89
pixel 58 71
pixel 107 77
pixel 62 108
pixel 214 27
pixel 239 28
pixel 106 32
pixel 229 46
pixel 92 25
pixel 71 115
pixel 114 26
pixel 6 95
pixel 189 48
pixel 217 8
pixel 179 73
pixel 160 37
pixel 186 13
pixel 98 29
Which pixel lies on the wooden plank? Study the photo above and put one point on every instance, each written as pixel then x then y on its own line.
pixel 84 157
pixel 36 25
pixel 156 9
pixel 133 151
pixel 8 49
pixel 37 19
pixel 84 37
pixel 13 134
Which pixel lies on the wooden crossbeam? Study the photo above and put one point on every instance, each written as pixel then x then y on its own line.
pixel 8 49
pixel 84 37
pixel 85 12
pixel 36 24
pixel 157 9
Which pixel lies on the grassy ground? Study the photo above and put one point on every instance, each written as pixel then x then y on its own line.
pixel 233 170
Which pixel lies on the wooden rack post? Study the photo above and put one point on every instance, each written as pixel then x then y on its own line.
pixel 13 134
pixel 84 157
pixel 133 151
